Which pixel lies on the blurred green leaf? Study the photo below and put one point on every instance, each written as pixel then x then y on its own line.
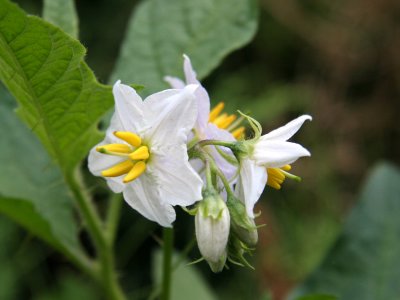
pixel 70 287
pixel 32 190
pixel 161 31
pixel 62 13
pixel 364 263
pixel 187 283
pixel 58 94
pixel 317 297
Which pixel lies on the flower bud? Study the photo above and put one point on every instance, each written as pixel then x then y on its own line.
pixel 212 223
pixel 243 226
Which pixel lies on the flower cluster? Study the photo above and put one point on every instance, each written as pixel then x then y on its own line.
pixel 172 149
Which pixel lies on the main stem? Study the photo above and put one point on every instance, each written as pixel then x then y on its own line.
pixel 104 247
pixel 168 242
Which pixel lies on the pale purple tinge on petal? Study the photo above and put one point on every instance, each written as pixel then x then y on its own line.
pixel 178 183
pixel 273 154
pixel 143 195
pixel 215 133
pixel 128 108
pixel 251 183
pixel 202 98
pixel 171 117
pixel 287 131
pixel 174 82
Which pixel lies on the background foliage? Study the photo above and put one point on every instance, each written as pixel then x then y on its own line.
pixel 335 234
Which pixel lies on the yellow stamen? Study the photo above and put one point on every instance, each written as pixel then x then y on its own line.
pixel 228 121
pixel 118 169
pixel 216 111
pixel 129 137
pixel 140 153
pixel 275 178
pixel 238 133
pixel 135 172
pixel 118 148
pixel 275 172
pixel 274 185
pixel 286 168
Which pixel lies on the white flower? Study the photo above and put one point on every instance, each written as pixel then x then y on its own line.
pixel 212 223
pixel 144 153
pixel 268 151
pixel 204 129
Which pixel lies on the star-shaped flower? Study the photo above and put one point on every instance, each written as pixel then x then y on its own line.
pixel 271 151
pixel 144 153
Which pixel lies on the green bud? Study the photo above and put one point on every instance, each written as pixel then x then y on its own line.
pixel 242 225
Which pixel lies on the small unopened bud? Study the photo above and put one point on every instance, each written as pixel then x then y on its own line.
pixel 242 224
pixel 212 223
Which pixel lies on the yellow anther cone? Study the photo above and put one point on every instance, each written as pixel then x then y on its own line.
pixel 118 148
pixel 135 172
pixel 129 137
pixel 140 153
pixel 238 133
pixel 275 172
pixel 274 184
pixel 216 111
pixel 118 169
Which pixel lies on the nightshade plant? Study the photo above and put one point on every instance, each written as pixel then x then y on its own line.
pixel 168 150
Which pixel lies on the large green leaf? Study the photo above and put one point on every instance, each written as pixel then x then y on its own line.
pixel 364 263
pixel 59 97
pixel 32 190
pixel 161 31
pixel 62 13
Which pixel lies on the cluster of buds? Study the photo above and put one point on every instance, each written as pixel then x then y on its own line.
pixel 172 149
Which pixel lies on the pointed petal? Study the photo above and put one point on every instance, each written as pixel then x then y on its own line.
pixel 174 82
pixel 171 115
pixel 143 195
pixel 128 108
pixel 251 183
pixel 190 74
pixel 287 131
pixel 202 98
pixel 273 154
pixel 179 184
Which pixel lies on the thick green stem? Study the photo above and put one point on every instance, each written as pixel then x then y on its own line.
pixel 105 274
pixel 168 242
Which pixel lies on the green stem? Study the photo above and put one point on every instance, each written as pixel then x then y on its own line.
pixel 168 239
pixel 104 247
pixel 216 143
pixel 113 215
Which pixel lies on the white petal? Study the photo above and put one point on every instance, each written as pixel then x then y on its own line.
pixel 178 182
pixel 171 115
pixel 98 162
pixel 277 154
pixel 251 183
pixel 174 82
pixel 190 74
pixel 202 98
pixel 128 108
pixel 142 195
pixel 287 131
